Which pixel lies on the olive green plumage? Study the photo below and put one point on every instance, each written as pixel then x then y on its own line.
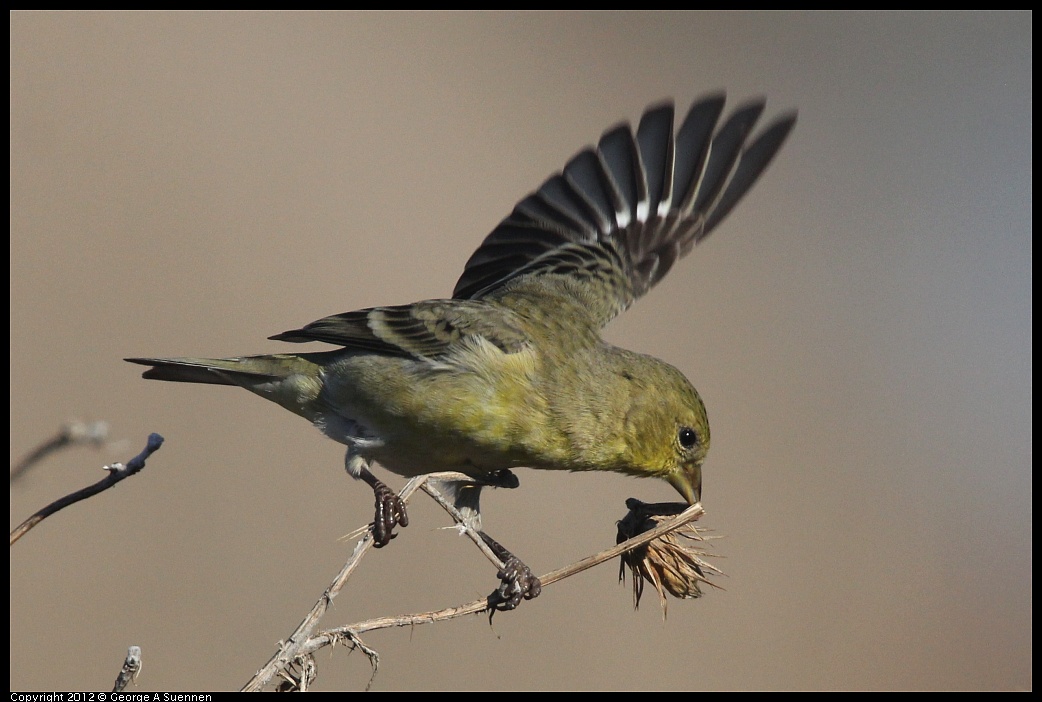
pixel 512 371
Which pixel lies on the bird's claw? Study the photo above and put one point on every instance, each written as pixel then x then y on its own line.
pixel 517 583
pixel 390 512
pixel 516 580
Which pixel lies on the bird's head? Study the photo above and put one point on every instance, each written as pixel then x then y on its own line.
pixel 666 427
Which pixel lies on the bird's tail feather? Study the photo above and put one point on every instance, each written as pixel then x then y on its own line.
pixel 291 380
pixel 218 371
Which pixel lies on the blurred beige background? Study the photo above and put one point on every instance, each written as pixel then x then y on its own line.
pixel 860 329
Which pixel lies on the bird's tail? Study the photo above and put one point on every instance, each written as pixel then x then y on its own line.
pixel 219 371
pixel 291 380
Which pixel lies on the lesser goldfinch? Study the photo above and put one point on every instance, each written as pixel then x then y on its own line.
pixel 511 371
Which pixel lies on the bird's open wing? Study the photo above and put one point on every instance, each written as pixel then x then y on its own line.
pixel 620 214
pixel 428 329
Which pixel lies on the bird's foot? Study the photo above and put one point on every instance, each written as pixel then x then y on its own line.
pixel 516 580
pixel 390 512
pixel 502 479
pixel 516 583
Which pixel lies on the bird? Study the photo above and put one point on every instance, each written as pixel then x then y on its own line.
pixel 511 371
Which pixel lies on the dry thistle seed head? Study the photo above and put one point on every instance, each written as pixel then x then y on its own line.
pixel 672 562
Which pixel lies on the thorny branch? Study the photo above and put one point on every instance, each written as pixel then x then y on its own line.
pixel 291 649
pixel 300 647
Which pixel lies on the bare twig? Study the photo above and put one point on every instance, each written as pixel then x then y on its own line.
pixel 293 660
pixel 290 650
pixel 73 433
pixel 689 515
pixel 332 636
pixel 131 668
pixel 117 472
pixel 298 675
pixel 461 524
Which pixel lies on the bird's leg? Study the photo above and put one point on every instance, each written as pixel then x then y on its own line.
pixel 517 580
pixel 390 510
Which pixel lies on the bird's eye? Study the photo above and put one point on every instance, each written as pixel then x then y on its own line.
pixel 687 437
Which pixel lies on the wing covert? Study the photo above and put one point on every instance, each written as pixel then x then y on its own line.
pixel 430 329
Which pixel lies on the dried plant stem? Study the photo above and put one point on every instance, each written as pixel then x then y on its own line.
pixel 301 644
pixel 352 631
pixel 461 524
pixel 117 472
pixel 292 648
pixel 130 670
pixel 72 434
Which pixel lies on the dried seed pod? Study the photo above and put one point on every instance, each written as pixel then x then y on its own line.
pixel 671 563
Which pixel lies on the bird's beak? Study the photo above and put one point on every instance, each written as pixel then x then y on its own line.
pixel 688 482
